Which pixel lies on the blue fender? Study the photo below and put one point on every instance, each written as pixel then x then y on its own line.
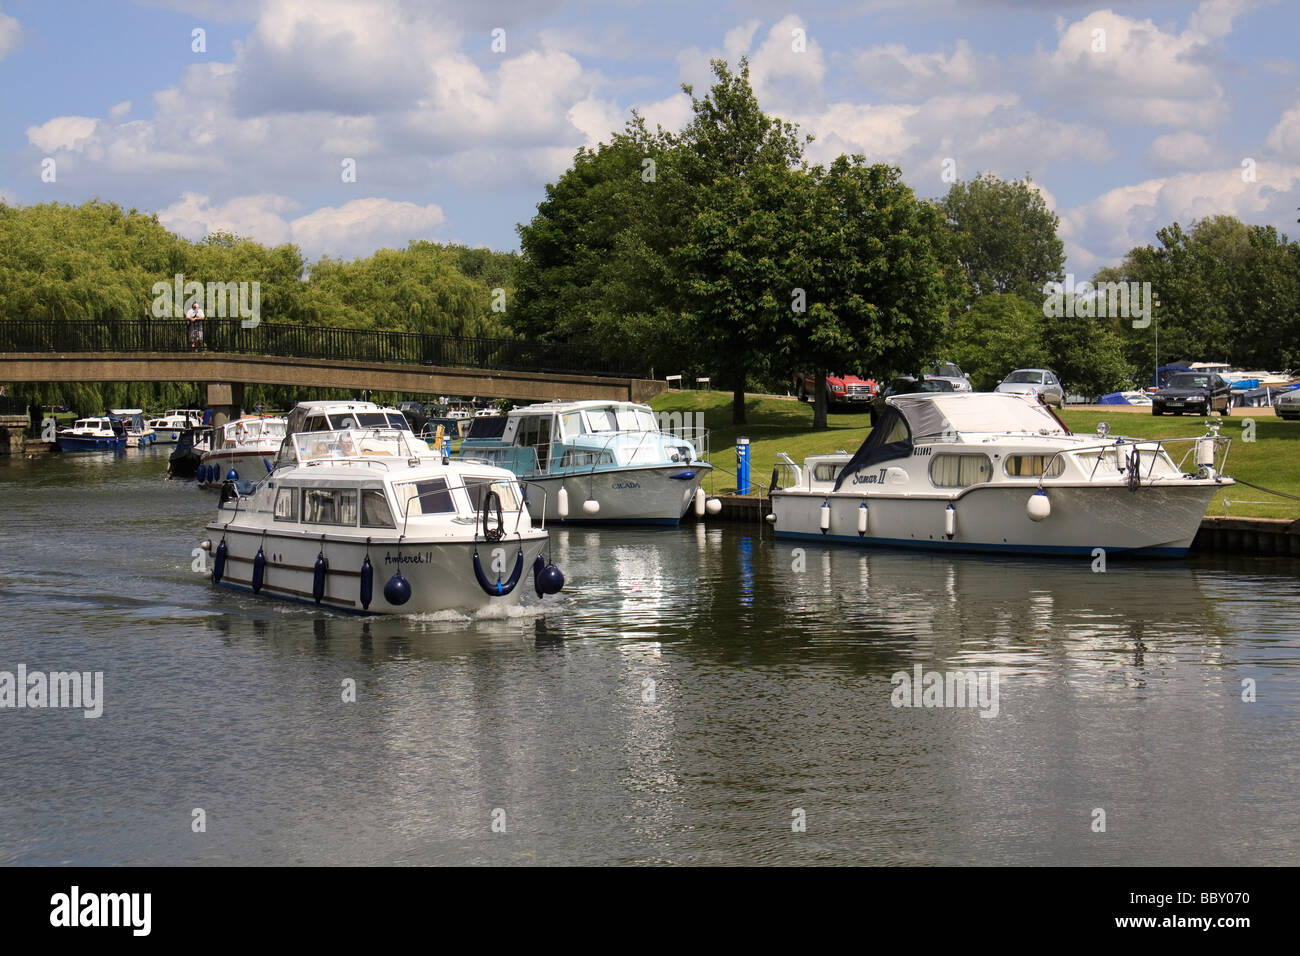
pixel 367 583
pixel 259 570
pixel 497 588
pixel 319 574
pixel 219 565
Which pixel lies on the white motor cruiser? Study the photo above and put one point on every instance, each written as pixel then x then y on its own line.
pixel 1000 472
pixel 365 520
pixel 169 428
pixel 595 461
pixel 246 446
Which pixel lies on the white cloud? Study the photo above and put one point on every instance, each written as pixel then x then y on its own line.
pixel 10 35
pixel 356 228
pixel 895 72
pixel 1183 150
pixel 359 227
pixel 1284 138
pixel 1133 72
pixel 979 132
pixel 259 217
pixel 75 134
pixel 1100 231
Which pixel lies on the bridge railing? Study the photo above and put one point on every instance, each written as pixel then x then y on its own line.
pixel 310 342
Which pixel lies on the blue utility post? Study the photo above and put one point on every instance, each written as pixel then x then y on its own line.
pixel 742 466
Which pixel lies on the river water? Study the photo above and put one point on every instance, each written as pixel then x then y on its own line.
pixel 701 695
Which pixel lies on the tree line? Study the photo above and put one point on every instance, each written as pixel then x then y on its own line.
pixel 718 250
pixel 714 250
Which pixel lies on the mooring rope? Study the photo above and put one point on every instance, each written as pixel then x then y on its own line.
pixel 1267 491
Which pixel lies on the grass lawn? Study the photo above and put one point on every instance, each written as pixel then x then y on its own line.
pixel 776 425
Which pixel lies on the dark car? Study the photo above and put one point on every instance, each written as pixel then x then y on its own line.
pixel 909 385
pixel 1197 392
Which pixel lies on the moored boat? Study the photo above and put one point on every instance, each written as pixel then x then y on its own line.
pixel 362 520
pixel 1001 473
pixel 93 434
pixel 594 461
pixel 139 434
pixel 245 446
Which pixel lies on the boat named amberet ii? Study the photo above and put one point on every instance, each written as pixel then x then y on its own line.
pixel 998 472
pixel 367 520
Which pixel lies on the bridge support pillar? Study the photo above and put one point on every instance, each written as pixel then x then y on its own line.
pixel 227 401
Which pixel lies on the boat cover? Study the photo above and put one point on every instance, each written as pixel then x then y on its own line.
pixel 946 415
pixel 1114 398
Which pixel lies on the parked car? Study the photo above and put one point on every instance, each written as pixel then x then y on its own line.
pixel 1197 392
pixel 1042 383
pixel 1288 404
pixel 841 389
pixel 908 385
pixel 950 372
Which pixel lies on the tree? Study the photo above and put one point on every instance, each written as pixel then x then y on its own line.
pixel 597 258
pixel 879 285
pixel 735 161
pixel 998 334
pixel 1006 236
pixel 1228 292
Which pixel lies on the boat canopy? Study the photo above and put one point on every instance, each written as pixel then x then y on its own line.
pixel 945 416
pixel 352 443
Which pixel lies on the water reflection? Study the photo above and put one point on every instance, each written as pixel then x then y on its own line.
pixel 687 690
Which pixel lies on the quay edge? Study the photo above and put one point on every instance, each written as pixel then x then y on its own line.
pixel 1268 537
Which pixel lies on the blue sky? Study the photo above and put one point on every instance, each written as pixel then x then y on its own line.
pixel 1127 116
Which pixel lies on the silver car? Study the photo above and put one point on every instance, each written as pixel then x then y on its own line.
pixel 1039 382
pixel 1287 405
pixel 952 374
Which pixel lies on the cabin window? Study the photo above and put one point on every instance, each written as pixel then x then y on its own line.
pixel 535 432
pixel 601 420
pixel 826 471
pixel 316 424
pixel 960 471
pixel 286 504
pixel 579 458
pixel 479 487
pixel 424 497
pixel 337 506
pixel 375 512
pixel 627 421
pixel 572 423
pixel 1031 466
pixel 399 421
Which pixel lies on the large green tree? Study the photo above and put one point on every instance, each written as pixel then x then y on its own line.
pixel 1227 291
pixel 1005 236
pixel 873 262
pixel 736 268
pixel 597 258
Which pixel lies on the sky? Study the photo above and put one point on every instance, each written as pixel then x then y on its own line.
pixel 345 126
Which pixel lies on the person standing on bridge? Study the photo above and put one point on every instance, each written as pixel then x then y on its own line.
pixel 195 315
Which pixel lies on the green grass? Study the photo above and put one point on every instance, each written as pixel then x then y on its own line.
pixel 776 425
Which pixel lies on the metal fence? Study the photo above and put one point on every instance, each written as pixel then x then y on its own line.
pixel 312 342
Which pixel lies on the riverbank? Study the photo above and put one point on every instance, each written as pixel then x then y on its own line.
pixel 1265 452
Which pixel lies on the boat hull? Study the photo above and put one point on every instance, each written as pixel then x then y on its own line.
pixel 441 573
pixel 1158 520
pixel 90 443
pixel 645 496
pixel 250 463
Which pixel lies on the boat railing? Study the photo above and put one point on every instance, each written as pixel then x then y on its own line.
pixel 1123 447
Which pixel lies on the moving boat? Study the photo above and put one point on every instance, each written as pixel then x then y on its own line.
pixel 998 472
pixel 365 520
pixel 245 446
pixel 593 461
pixel 93 434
